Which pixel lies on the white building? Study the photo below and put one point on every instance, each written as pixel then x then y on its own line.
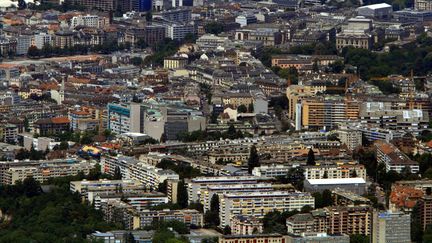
pixel 177 31
pixel 42 39
pixel 87 20
pixel 258 204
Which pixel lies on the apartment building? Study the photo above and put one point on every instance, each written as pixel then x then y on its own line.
pixel 131 168
pixel 393 158
pixel 337 170
pixel 93 21
pixel 394 227
pixel 349 220
pixel 423 5
pixel 137 200
pixel 352 139
pixel 190 217
pixel 425 211
pixel 198 184
pixel 296 93
pixel 87 189
pixel 258 204
pixel 44 171
pixel 320 112
pixel 221 189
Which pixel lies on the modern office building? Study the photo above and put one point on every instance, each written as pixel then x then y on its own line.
pixel 125 117
pixel 394 227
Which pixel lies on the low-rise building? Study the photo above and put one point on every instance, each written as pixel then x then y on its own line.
pixel 355 185
pixel 244 225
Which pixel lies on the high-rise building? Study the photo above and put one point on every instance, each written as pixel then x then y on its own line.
pixel 123 118
pixel 394 227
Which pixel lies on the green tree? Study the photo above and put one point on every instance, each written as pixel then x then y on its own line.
pixel 327 198
pixel 214 203
pixel 242 109
pixel 33 52
pixel 253 160
pixel 214 28
pixel 136 61
pixel 359 239
pixel 318 200
pixel 227 230
pixel 141 43
pixel 149 16
pixel 26 124
pixel 311 157
pixel 251 107
pixel 63 145
pixel 182 194
pixel 117 173
pixel 22 4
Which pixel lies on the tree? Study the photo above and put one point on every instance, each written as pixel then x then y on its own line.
pixel 327 198
pixel 214 203
pixel 318 200
pixel 31 187
pixel 212 216
pixel 227 230
pixel 274 222
pixel 214 28
pixel 325 176
pixel 33 52
pixel 22 4
pixel 26 124
pixel 253 160
pixel 136 61
pixel 251 107
pixel 242 109
pixel 311 157
pixel 306 209
pixel 141 43
pixel 149 16
pixel 182 194
pixel 295 176
pixel 63 145
pixel 117 173
pixel 359 239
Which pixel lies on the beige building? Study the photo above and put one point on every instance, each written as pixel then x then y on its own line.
pixel 423 5
pixel 295 93
pixel 175 62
